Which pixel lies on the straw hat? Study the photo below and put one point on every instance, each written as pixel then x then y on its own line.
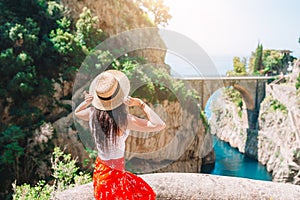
pixel 109 89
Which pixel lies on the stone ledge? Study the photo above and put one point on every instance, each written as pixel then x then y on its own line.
pixel 200 186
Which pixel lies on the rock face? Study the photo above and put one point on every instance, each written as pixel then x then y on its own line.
pixel 116 17
pixel 200 186
pixel 227 124
pixel 279 134
pixel 178 148
pixel 278 137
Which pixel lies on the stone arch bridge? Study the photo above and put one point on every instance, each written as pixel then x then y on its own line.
pixel 251 88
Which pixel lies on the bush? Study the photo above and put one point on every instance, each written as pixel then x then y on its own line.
pixel 205 121
pixel 41 191
pixel 276 105
pixel 298 82
pixel 235 97
pixel 65 174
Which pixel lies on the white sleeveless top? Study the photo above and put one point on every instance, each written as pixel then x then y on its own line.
pixel 113 151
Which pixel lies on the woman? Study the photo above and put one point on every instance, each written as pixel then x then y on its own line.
pixel 110 124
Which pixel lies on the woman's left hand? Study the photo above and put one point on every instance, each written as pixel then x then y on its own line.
pixel 131 101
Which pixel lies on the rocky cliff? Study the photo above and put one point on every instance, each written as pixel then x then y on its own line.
pixel 178 148
pixel 116 17
pixel 229 123
pixel 279 135
pixel 278 144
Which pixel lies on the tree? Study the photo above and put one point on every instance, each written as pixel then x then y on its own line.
pixel 239 67
pixel 251 63
pixel 28 62
pixel 157 9
pixel 258 63
pixel 276 61
pixel 272 61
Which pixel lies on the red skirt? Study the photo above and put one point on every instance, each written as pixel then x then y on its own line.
pixel 111 181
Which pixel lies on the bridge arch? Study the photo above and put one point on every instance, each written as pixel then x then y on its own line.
pixel 246 95
pixel 252 90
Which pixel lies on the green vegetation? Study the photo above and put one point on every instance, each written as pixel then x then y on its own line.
pixel 296 154
pixel 298 82
pixel 276 105
pixel 235 97
pixel 205 121
pixel 39 47
pixel 65 175
pixel 258 63
pixel 239 67
pixel 157 9
pixel 271 62
pixel 157 84
pixel 26 67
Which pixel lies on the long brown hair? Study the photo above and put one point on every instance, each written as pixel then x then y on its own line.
pixel 108 124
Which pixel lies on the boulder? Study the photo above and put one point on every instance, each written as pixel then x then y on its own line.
pixel 200 186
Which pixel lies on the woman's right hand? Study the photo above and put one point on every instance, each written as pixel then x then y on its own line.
pixel 88 98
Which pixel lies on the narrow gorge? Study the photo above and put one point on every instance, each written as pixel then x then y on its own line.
pixel 276 144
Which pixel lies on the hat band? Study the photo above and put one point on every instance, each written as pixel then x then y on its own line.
pixel 112 96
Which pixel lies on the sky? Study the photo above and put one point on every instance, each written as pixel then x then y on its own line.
pixel 228 28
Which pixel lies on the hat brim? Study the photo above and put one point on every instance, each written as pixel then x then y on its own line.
pixel 118 99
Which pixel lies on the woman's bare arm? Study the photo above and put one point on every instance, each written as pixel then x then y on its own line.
pixel 83 110
pixel 153 121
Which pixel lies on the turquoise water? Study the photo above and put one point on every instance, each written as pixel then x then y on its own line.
pixel 230 162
